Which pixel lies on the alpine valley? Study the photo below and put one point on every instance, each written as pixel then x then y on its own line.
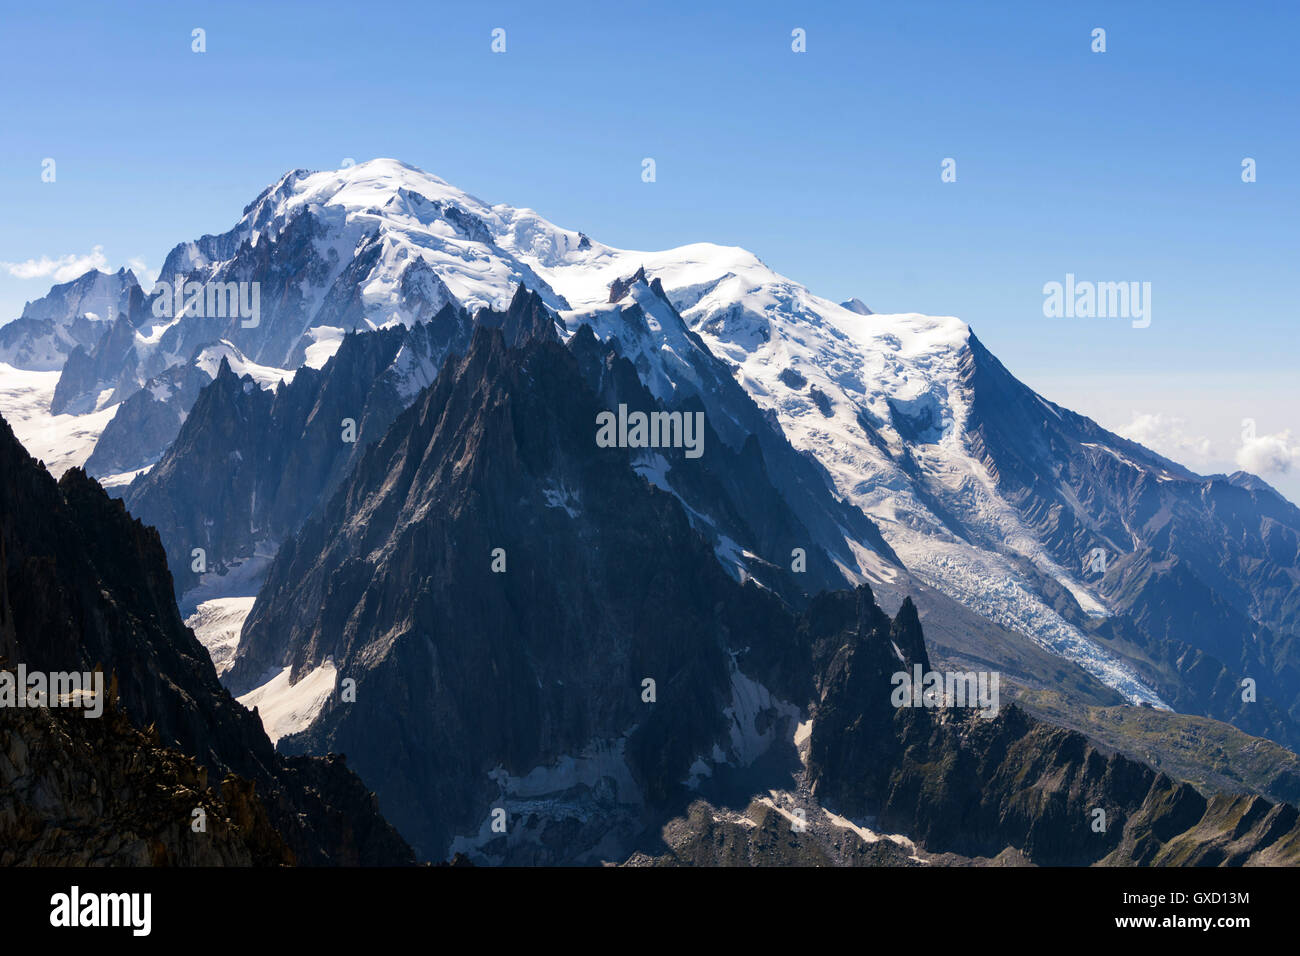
pixel 367 564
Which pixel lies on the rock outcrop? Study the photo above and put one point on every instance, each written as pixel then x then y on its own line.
pixel 85 587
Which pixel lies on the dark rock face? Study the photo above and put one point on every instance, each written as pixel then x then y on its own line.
pixel 793 378
pixel 620 287
pixel 1203 573
pixel 86 586
pixel 75 392
pixel 822 401
pixel 248 465
pixel 468 680
pixel 246 469
pixel 959 783
pixel 147 422
pixel 79 792
pixel 727 491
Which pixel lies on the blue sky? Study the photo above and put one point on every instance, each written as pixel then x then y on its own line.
pixel 1115 166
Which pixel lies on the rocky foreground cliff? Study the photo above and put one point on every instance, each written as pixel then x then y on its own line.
pixel 100 792
pixel 85 588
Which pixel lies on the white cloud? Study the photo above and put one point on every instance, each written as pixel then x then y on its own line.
pixel 1268 454
pixel 1169 436
pixel 72 266
pixel 63 269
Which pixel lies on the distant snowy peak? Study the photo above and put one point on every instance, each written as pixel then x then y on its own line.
pixel 856 305
pixel 71 314
pixel 98 294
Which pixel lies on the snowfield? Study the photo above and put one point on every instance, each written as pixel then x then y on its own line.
pixel 61 441
pixel 217 624
pixel 287 708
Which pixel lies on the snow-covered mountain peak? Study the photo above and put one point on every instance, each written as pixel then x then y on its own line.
pixel 72 314
pixel 417 212
pixel 374 187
